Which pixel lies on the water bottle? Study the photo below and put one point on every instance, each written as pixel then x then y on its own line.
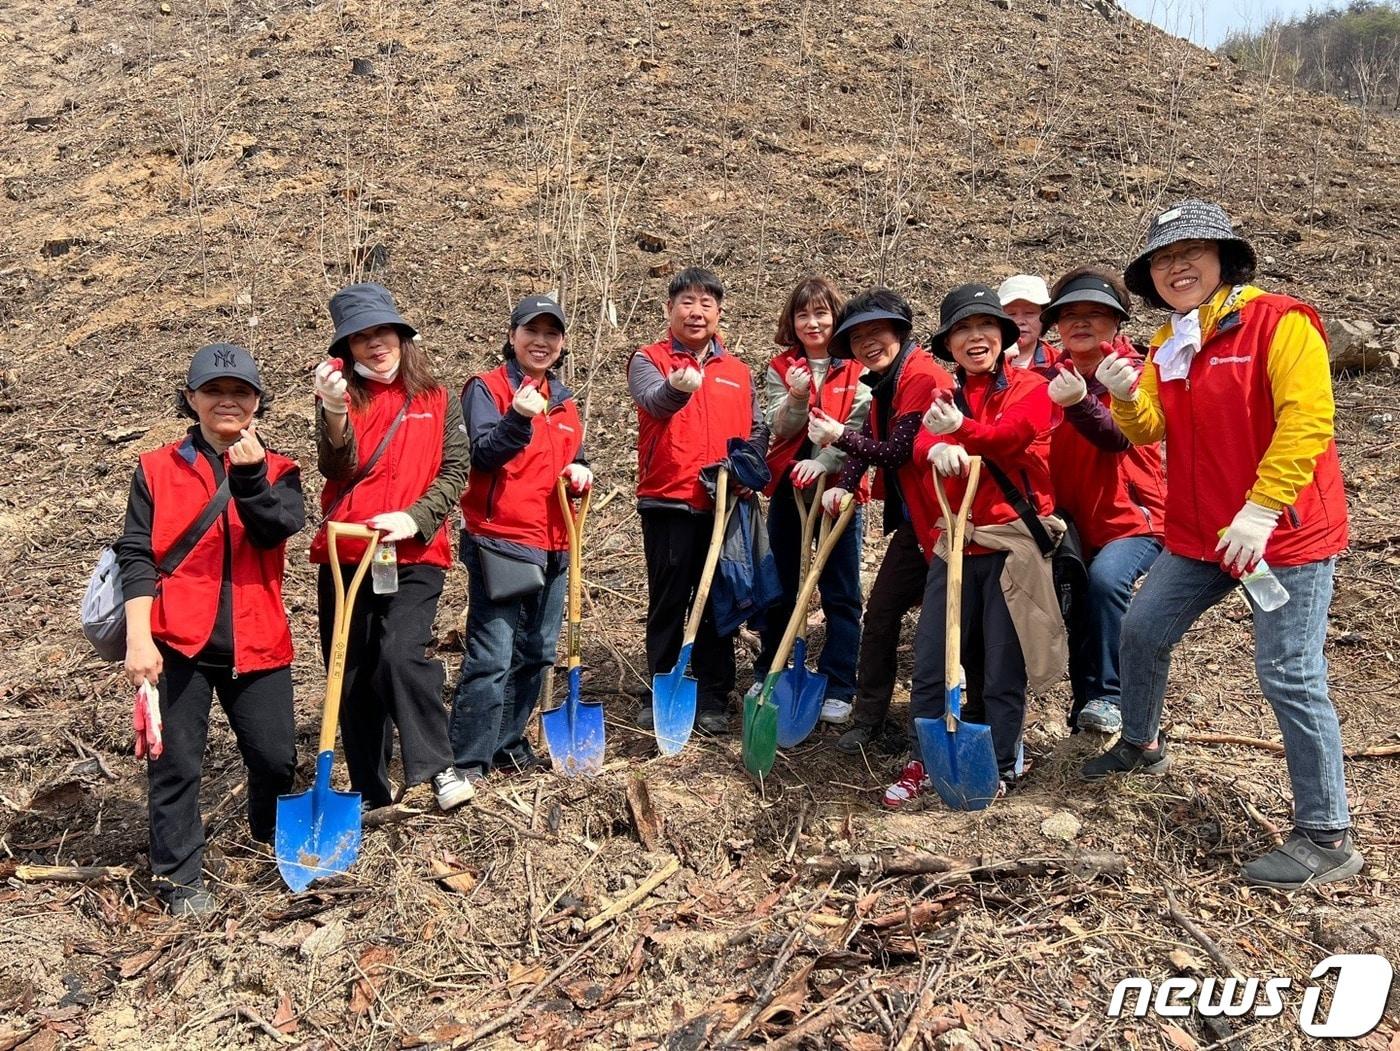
pixel 385 570
pixel 1264 588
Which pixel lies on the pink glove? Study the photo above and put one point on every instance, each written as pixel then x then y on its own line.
pixel 146 721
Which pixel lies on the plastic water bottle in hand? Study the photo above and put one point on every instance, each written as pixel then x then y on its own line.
pixel 1264 588
pixel 384 573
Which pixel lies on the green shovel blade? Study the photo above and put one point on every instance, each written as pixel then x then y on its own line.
pixel 761 729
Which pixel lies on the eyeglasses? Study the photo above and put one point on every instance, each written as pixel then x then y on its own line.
pixel 1188 253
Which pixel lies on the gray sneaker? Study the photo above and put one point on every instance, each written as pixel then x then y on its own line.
pixel 1300 863
pixel 193 903
pixel 1101 716
pixel 858 737
pixel 451 789
pixel 714 721
pixel 1127 758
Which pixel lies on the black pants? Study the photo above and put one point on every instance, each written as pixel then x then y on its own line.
pixel 259 709
pixel 898 588
pixel 389 677
pixel 1003 665
pixel 675 543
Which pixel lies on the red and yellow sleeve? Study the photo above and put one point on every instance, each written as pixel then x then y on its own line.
pixel 1301 380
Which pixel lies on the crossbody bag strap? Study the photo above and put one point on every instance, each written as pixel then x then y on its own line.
pixel 364 471
pixel 1014 496
pixel 191 536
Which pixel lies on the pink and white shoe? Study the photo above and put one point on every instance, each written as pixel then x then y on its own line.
pixel 912 783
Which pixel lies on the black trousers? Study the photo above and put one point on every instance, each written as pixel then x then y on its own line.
pixel 1002 663
pixel 675 543
pixel 898 588
pixel 389 679
pixel 259 709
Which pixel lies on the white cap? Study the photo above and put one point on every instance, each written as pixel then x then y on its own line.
pixel 1024 286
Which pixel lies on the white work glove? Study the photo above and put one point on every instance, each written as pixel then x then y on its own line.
pixel 1244 540
pixel 394 525
pixel 1119 375
pixel 578 478
pixel 329 385
pixel 806 472
pixel 799 381
pixel 1068 387
pixel 686 379
pixel 943 417
pixel 528 400
pixel 949 460
pixel 822 429
pixel 832 500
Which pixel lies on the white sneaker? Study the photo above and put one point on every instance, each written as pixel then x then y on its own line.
pixel 451 789
pixel 834 711
pixel 753 691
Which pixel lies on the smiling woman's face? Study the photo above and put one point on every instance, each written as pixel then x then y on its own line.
pixel 1186 274
pixel 224 407
pixel 378 349
pixel 975 343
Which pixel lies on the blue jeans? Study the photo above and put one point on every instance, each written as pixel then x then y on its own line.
pixel 840 591
pixel 509 645
pixel 1287 658
pixel 1095 631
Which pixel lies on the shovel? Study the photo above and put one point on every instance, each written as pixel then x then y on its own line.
pixel 673 693
pixel 958 756
pixel 760 714
pixel 318 832
pixel 574 730
pixel 797 687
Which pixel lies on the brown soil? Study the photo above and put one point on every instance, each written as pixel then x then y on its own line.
pixel 215 172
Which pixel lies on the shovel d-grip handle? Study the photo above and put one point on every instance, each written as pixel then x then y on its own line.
pixel 955 537
pixel 340 629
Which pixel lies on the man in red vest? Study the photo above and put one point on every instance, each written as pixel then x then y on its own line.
pixel 692 396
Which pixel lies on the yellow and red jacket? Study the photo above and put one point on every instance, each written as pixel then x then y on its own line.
pixel 187 602
pixel 1252 420
pixel 403 474
pixel 671 451
pixel 518 501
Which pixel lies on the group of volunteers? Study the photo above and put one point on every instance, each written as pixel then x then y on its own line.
pixel 1078 553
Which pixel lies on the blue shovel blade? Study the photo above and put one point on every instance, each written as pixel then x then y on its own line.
pixel 798 696
pixel 673 696
pixel 318 831
pixel 574 731
pixel 962 763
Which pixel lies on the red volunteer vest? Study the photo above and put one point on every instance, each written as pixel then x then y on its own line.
pixel 402 475
pixel 920 377
pixel 187 602
pixel 1220 421
pixel 671 452
pixel 518 502
pixel 835 397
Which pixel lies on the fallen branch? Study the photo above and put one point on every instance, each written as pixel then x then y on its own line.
pixel 1084 866
pixel 913 917
pixel 628 901
pixel 1269 828
pixel 71 873
pixel 390 815
pixel 1204 940
pixel 1374 751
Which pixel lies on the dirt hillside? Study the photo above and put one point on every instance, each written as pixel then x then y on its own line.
pixel 181 172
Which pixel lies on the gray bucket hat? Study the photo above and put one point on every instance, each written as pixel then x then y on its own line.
pixel 222 361
pixel 358 307
pixel 1086 288
pixel 1189 220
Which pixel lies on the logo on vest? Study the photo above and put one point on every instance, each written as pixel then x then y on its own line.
pixel 1230 359
pixel 564 427
pixel 727 383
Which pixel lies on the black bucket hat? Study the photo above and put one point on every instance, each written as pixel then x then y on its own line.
pixel 1086 288
pixel 965 301
pixel 358 307
pixel 532 307
pixel 1189 220
pixel 223 361
pixel 878 304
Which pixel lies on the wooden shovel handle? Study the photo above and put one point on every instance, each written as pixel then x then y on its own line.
pixel 574 524
pixel 807 515
pixel 707 575
pixel 809 584
pixel 340 628
pixel 955 532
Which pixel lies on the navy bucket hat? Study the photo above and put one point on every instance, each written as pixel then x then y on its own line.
pixel 966 301
pixel 366 305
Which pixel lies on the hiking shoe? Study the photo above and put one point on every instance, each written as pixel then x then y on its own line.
pixel 1300 863
pixel 1125 758
pixel 837 711
pixel 912 783
pixel 451 789
pixel 646 719
pixel 1101 716
pixel 858 737
pixel 528 763
pixel 193 903
pixel 713 721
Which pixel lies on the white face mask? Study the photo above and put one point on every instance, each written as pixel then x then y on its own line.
pixel 377 377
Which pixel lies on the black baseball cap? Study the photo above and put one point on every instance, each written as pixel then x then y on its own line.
pixel 532 307
pixel 223 361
